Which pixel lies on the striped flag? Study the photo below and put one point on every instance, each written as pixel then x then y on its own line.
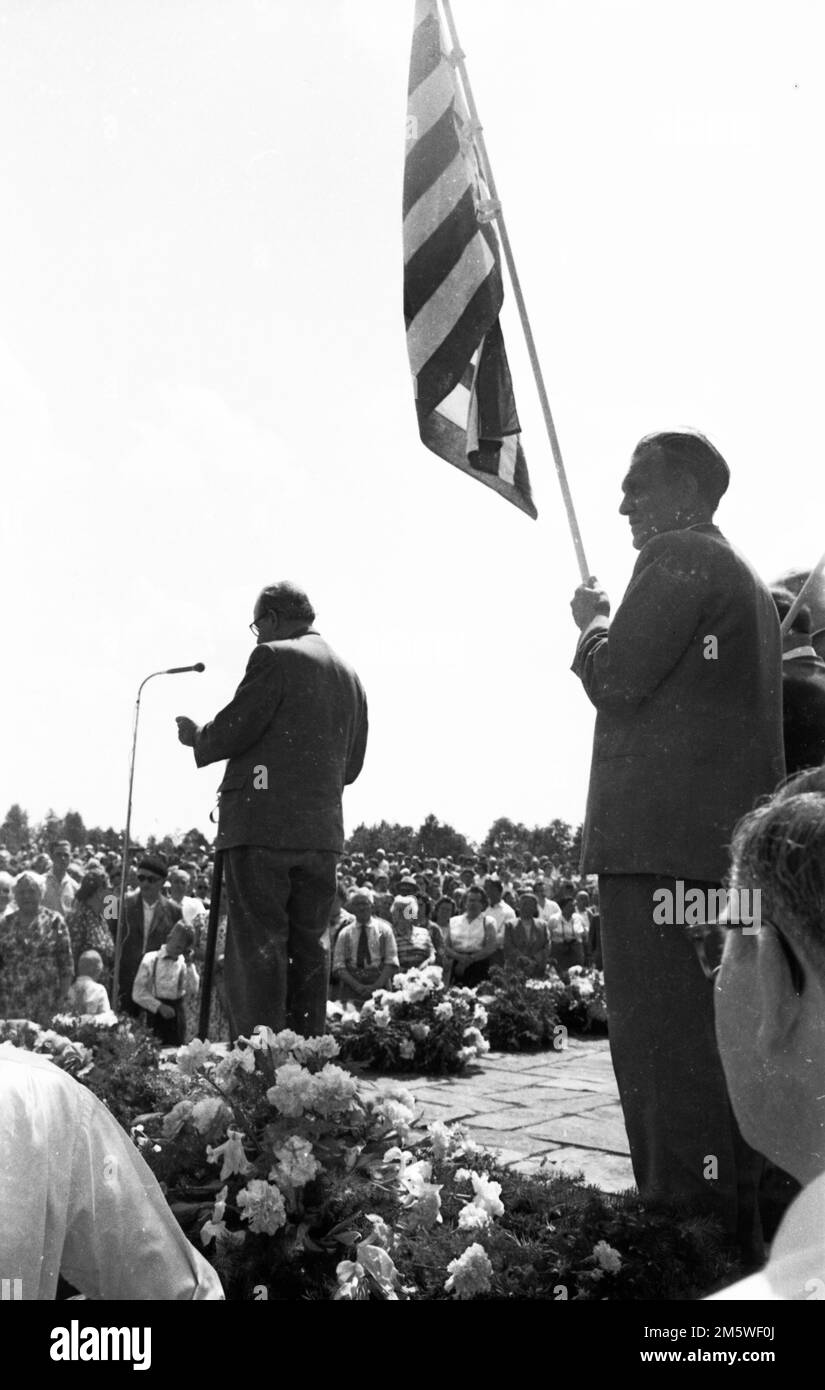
pixel 452 281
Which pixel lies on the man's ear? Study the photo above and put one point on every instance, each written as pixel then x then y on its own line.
pixel 779 1002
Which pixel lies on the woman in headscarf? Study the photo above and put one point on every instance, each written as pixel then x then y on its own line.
pixel 414 943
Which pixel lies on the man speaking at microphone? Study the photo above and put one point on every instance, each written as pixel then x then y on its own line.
pixel 295 734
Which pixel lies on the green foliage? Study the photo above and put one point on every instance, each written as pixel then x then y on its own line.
pixel 14 832
pixel 521 1012
pixel 506 839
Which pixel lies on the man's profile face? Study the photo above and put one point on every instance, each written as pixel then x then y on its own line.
pixel 653 499
pixel 738 1019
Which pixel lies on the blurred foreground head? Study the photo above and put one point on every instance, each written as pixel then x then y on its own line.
pixel 770 992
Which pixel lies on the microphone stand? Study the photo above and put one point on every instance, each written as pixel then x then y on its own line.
pixel 121 899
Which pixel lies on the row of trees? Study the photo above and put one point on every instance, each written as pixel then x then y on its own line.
pixel 432 839
pixel 505 839
pixel 17 834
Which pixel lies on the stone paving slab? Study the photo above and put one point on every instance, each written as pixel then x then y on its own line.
pixel 610 1172
pixel 522 1143
pixel 513 1123
pixel 554 1101
pixel 584 1131
pixel 557 1110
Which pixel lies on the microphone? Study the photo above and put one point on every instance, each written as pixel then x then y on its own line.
pixel 178 670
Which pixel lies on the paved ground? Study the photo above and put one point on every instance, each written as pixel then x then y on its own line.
pixel 559 1108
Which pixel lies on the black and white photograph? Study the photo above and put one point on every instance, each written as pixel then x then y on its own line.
pixel 412 810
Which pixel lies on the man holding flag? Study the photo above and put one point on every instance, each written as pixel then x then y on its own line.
pixel 687 684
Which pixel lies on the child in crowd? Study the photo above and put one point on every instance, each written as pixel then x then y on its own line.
pixel 162 982
pixel 87 995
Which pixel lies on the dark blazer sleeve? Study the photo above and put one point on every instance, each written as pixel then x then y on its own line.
pixel 651 631
pixel 358 748
pixel 249 712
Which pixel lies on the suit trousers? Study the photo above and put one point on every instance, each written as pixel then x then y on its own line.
pixel 685 1144
pixel 275 966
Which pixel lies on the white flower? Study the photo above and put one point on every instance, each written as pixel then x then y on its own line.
pixel 293 1091
pixel 606 1257
pixel 367 1010
pixel 470 1273
pixel 444 1010
pixel 296 1165
pixel 407 1049
pixel 335 1009
pixel 193 1056
pixel 480 1016
pixel 334 1091
pixel 488 1194
pixel 232 1153
pixel 215 1227
pixel 352 1281
pixel 262 1205
pixel 382 1018
pixel 486 1203
pixel 420 1031
pixel 472 1217
pixel 440 1138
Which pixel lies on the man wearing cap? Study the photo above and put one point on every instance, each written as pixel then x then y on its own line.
pixel 686 682
pixel 59 888
pixel 150 917
pixel 295 734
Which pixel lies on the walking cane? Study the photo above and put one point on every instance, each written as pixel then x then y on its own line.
pixel 211 941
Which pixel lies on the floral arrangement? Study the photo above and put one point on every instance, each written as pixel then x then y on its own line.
pixel 65 1051
pixel 522 1012
pixel 582 1004
pixel 417 1026
pixel 114 1056
pixel 297 1184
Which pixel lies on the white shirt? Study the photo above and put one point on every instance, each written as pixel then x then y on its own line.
pixel 59 895
pixel 576 929
pixel 88 996
pixel 163 979
pixel 77 1199
pixel 501 914
pixel 466 935
pixel 796 1268
pixel 549 912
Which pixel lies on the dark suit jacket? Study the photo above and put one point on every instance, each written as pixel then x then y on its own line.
pixel 165 916
pixel 803 694
pixel 683 745
pixel 295 734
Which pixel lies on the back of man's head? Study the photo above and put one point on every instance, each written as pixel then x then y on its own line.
pixel 288 600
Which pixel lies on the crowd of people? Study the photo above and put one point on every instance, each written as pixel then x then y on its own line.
pixel 58 928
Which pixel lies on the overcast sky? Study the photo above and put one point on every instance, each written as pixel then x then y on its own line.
pixel 205 387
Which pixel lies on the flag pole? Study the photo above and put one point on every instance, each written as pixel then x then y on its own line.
pixel 457 59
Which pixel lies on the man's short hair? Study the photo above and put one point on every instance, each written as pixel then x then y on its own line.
pixel 691 454
pixel 779 848
pixel 288 600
